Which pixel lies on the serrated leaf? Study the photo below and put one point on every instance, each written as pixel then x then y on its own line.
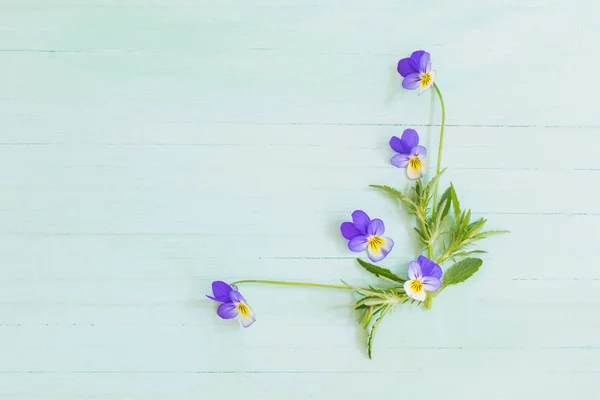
pixel 418 189
pixel 485 234
pixel 445 203
pixel 380 272
pixel 434 181
pixel 424 240
pixel 468 253
pixel 390 190
pixel 474 227
pixel 373 329
pixel 421 235
pixel 455 202
pixel 465 220
pixel 398 195
pixel 440 214
pixel 461 271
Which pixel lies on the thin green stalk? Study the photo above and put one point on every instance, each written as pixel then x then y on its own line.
pixel 440 146
pixel 283 283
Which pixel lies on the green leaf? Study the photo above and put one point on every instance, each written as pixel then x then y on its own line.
pixel 380 272
pixel 464 221
pixel 373 329
pixel 445 203
pixel 398 195
pixel 391 191
pixel 365 318
pixel 467 253
pixel 433 181
pixel 440 214
pixel 369 301
pixel 485 234
pixel 460 272
pixel 474 227
pixel 455 202
pixel 424 239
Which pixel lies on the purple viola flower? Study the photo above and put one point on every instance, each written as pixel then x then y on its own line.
pixel 424 276
pixel 365 234
pixel 410 155
pixel 232 303
pixel 417 71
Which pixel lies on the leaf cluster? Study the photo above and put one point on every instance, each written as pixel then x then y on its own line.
pixel 463 232
pixel 446 219
pixel 375 304
pixel 444 229
pixel 418 203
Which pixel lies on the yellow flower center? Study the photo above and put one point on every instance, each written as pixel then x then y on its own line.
pixel 426 79
pixel 375 242
pixel 415 162
pixel 243 309
pixel 416 285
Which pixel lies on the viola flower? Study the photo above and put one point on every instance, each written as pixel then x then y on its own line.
pixel 233 303
pixel 424 276
pixel 365 234
pixel 417 71
pixel 411 156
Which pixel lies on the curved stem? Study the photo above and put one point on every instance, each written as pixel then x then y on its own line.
pixel 283 283
pixel 440 146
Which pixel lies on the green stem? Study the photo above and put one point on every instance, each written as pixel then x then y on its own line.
pixel 430 251
pixel 283 283
pixel 440 146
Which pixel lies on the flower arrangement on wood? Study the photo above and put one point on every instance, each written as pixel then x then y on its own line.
pixel 444 228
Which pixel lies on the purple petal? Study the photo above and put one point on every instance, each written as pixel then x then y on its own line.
pixel 414 270
pixel 411 81
pixel 416 58
pixel 379 252
pixel 361 221
pixel 358 243
pixel 400 160
pixel 349 231
pixel 399 146
pixel 431 284
pixel 236 297
pixel 221 291
pixel 227 310
pixel 376 227
pixel 425 63
pixel 407 66
pixel 429 268
pixel 410 137
pixel 419 151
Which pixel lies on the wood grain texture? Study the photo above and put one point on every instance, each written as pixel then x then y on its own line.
pixel 149 147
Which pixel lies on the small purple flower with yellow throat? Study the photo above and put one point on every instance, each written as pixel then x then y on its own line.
pixel 232 303
pixel 423 276
pixel 417 71
pixel 410 155
pixel 363 233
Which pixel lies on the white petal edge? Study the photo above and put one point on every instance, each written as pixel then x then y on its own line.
pixel 416 173
pixel 248 319
pixel 420 296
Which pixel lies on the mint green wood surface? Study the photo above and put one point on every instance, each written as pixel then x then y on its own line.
pixel 148 148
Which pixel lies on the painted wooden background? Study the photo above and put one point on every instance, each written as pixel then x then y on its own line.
pixel 148 147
